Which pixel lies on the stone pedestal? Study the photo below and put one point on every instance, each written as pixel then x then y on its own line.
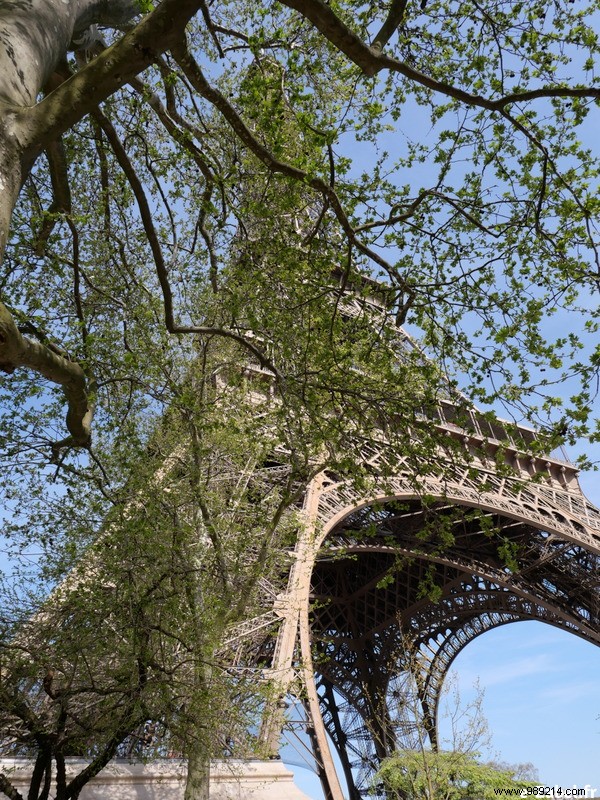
pixel 165 780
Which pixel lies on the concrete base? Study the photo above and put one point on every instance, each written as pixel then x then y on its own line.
pixel 165 780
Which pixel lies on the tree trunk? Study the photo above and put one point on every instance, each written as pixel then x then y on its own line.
pixel 197 784
pixel 10 172
pixel 199 749
pixel 35 34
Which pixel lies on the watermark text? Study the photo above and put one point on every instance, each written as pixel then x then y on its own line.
pixel 549 791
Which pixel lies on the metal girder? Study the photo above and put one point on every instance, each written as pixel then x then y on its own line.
pixel 391 579
pixel 375 566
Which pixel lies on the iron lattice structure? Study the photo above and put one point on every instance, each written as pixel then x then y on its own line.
pixel 335 638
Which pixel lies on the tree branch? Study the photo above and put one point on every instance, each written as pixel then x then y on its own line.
pixel 159 262
pixel 131 718
pixel 393 19
pixel 18 351
pixel 196 77
pixel 61 202
pixel 371 61
pixel 8 789
pixel 103 76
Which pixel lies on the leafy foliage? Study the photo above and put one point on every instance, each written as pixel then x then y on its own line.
pixel 203 187
pixel 446 775
pixel 478 216
pixel 453 769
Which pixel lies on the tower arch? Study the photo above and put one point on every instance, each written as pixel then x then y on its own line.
pixel 371 574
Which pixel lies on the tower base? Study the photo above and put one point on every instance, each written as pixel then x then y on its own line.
pixel 122 780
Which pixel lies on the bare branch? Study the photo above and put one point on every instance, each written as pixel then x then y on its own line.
pixel 211 27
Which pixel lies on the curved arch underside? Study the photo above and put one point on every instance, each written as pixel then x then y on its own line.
pixel 400 587
pixel 386 588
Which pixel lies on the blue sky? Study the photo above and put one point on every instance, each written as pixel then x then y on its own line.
pixel 542 699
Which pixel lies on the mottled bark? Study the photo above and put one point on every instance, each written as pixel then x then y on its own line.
pixel 10 173
pixel 35 34
pixel 197 784
pixel 104 75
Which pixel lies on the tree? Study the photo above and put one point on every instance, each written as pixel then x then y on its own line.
pixel 446 776
pixel 167 560
pixel 119 664
pixel 130 640
pixel 498 246
pixel 185 177
pixel 452 768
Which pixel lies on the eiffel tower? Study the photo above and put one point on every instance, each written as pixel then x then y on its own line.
pixel 348 632
pixel 351 624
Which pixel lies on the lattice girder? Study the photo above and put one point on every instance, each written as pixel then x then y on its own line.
pixel 556 534
pixel 511 550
